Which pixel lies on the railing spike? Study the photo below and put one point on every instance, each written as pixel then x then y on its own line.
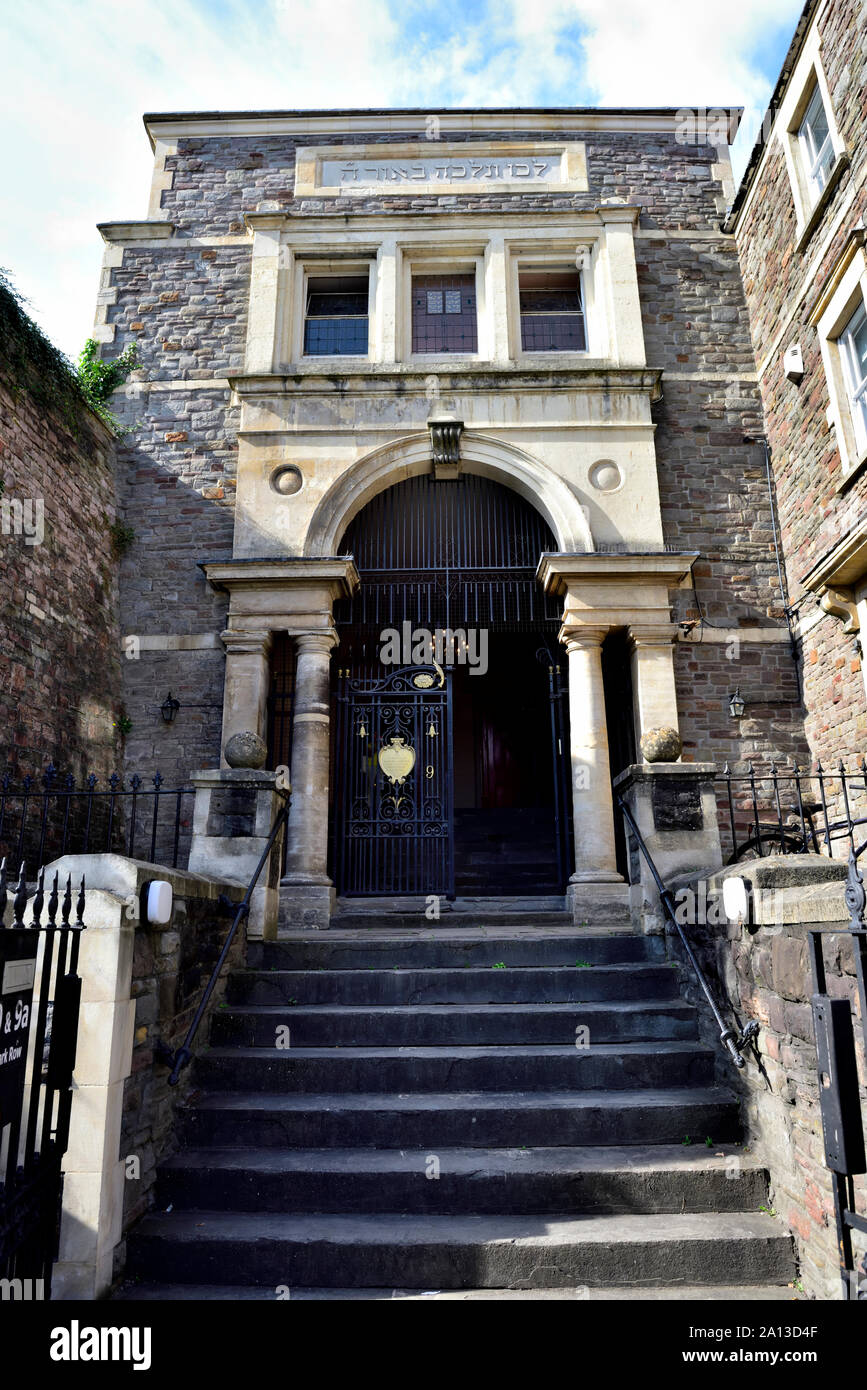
pixel 20 900
pixel 79 906
pixel 66 906
pixel 39 899
pixel 52 903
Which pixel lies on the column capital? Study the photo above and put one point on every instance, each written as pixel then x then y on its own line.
pixel 652 634
pixel 322 641
pixel 252 643
pixel 576 639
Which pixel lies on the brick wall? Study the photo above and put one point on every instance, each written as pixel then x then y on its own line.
pixel 763 972
pixel 782 285
pixel 60 689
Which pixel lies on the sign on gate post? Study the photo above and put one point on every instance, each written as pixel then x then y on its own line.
pixel 17 973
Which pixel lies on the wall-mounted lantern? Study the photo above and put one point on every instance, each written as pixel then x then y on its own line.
pixel 737 704
pixel 169 708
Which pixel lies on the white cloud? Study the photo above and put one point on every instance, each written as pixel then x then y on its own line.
pixel 77 78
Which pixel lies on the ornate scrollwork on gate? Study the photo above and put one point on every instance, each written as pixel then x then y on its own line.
pixel 393 783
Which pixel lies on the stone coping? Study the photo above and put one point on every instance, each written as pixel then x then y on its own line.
pixel 114 873
pixel 260 778
pixel 637 771
pixel 786 889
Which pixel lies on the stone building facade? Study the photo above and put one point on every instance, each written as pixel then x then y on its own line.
pixel 255 453
pixel 799 224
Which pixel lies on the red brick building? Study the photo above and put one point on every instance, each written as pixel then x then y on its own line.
pixel 799 222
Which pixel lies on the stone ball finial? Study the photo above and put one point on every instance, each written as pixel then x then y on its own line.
pixel 661 745
pixel 245 750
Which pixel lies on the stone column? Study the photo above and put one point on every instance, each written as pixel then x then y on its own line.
pixel 311 897
pixel 245 693
pixel 592 802
pixel 653 685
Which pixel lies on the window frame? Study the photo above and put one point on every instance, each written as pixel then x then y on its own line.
pixel 526 265
pixel 599 339
pixel 817 172
pixel 832 317
pixel 311 268
pixel 440 260
pixel 807 85
pixel 856 388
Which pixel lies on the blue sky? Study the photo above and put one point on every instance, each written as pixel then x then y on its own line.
pixel 76 75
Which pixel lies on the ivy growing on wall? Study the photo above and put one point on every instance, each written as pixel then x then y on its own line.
pixel 31 364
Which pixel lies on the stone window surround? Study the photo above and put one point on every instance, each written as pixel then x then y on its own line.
pixel 845 288
pixel 601 241
pixel 839 579
pixel 808 74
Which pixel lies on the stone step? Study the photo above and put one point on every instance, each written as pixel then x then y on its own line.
pixel 619 1066
pixel 577 982
pixel 482 917
pixel 460 1252
pixel 426 1025
pixel 600 1181
pixel 480 1119
pixel 448 948
pixel 131 1292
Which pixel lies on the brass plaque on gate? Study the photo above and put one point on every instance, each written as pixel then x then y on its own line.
pixel 397 759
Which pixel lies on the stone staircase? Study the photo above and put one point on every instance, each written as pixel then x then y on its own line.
pixel 431 1129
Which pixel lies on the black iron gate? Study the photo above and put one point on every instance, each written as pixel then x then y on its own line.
pixel 394 784
pixel 558 695
pixel 40 993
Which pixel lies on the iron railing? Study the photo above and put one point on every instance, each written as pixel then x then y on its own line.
pixel 181 1057
pixel 734 1040
pixel 47 816
pixel 791 810
pixel 40 1010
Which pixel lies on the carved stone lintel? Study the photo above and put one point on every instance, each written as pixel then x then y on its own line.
pixel 445 445
pixel 840 603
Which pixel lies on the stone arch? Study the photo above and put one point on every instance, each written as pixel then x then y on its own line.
pixel 408 457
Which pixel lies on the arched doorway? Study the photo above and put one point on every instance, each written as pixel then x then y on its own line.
pixel 449 649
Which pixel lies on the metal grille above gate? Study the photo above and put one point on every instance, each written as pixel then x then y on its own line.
pixel 395 813
pixel 448 553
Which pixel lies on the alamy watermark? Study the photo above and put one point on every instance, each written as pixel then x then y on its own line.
pixel 418 646
pixel 23 516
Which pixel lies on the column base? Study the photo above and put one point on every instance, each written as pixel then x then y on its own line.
pixel 596 876
pixel 305 904
pixel 595 902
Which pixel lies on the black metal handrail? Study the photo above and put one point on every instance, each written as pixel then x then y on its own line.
pixel 178 1059
pixel 733 1039
pixel 792 810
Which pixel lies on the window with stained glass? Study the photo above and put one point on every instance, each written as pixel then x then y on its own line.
pixel 444 314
